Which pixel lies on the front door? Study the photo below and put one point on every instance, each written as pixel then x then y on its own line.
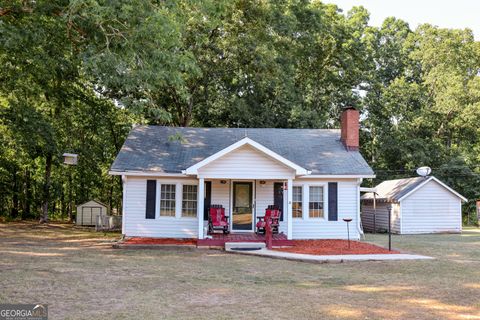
pixel 242 206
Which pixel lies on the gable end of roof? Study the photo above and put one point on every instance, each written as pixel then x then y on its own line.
pixel 257 146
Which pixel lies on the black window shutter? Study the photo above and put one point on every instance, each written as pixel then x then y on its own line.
pixel 151 195
pixel 278 197
pixel 332 201
pixel 208 200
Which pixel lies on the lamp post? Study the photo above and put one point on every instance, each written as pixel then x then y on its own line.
pixel 389 208
pixel 70 159
pixel 348 220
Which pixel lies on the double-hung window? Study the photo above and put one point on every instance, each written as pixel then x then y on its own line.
pixel 316 203
pixel 167 200
pixel 297 202
pixel 189 202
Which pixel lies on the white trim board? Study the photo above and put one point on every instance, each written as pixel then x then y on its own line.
pixel 193 170
pixel 145 174
pixel 184 175
pixel 338 176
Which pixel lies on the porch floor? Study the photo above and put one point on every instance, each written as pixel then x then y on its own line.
pixel 219 239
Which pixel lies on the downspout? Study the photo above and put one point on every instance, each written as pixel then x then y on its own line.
pixel 400 216
pixel 124 204
pixel 359 228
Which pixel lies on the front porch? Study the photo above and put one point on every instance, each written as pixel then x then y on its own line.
pixel 219 239
pixel 244 201
pixel 242 178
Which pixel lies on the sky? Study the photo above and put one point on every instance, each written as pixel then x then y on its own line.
pixel 458 14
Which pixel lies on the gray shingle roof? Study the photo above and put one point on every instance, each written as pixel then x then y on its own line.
pixel 393 190
pixel 151 148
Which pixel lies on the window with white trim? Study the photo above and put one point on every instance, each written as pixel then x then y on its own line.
pixel 167 200
pixel 189 202
pixel 316 203
pixel 297 201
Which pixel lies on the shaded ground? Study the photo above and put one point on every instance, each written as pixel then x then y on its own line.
pixel 80 277
pixel 333 247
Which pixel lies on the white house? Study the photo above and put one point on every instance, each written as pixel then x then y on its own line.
pixel 419 205
pixel 171 175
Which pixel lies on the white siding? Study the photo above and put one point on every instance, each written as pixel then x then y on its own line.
pixel 302 228
pixel 245 163
pixel 381 220
pixel 315 228
pixel 264 197
pixel 162 227
pixel 430 209
pixel 221 194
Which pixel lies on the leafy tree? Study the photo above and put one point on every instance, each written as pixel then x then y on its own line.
pixel 43 91
pixel 76 74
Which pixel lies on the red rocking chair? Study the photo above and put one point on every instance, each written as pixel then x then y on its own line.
pixel 272 213
pixel 217 219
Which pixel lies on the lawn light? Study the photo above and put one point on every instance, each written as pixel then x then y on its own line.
pixel 348 220
pixel 389 208
pixel 70 160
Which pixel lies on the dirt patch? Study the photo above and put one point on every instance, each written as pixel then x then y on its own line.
pixel 162 241
pixel 333 247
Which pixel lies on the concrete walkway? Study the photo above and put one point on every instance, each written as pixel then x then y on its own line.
pixel 329 258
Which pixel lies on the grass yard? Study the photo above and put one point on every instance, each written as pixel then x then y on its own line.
pixel 78 274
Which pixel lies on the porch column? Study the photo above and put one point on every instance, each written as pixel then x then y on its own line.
pixel 289 208
pixel 200 201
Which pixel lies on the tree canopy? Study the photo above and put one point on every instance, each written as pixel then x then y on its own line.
pixel 76 75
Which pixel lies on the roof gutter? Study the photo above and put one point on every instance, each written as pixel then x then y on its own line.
pixel 184 174
pixel 339 176
pixel 145 173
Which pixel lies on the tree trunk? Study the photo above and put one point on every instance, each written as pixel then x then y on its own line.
pixel 110 197
pixel 15 201
pixel 46 188
pixel 63 207
pixel 120 203
pixel 70 196
pixel 26 195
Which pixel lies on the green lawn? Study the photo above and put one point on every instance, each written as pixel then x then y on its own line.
pixel 81 277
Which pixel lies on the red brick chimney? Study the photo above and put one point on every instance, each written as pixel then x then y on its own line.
pixel 350 126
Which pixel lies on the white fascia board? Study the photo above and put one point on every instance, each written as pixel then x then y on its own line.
pixel 440 183
pixel 145 174
pixel 339 176
pixel 370 190
pixel 298 170
pixel 249 177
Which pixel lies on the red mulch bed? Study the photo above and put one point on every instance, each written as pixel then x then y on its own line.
pixel 165 241
pixel 333 247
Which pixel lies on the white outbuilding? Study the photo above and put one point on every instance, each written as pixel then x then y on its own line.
pixel 88 212
pixel 419 205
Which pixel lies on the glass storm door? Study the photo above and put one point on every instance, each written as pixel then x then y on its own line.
pixel 242 206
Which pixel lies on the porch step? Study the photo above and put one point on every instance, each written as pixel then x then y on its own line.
pixel 229 246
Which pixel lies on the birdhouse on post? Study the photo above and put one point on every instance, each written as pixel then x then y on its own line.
pixel 70 159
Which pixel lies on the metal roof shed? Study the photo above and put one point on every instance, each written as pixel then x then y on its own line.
pixel 419 205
